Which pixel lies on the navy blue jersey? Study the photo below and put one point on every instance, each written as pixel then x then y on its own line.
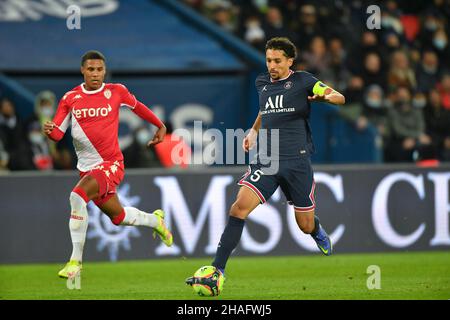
pixel 284 105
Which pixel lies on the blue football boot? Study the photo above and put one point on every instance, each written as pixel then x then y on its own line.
pixel 323 241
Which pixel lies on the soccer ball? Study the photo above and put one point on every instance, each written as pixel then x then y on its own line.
pixel 208 281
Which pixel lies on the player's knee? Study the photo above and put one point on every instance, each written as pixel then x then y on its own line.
pixel 90 184
pixel 239 211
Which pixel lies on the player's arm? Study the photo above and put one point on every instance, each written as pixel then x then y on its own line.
pixel 249 141
pixel 143 112
pixel 146 114
pixel 323 93
pixel 56 128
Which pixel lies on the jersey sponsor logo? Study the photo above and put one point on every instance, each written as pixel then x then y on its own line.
pixel 92 112
pixel 278 102
pixel 276 105
pixel 78 96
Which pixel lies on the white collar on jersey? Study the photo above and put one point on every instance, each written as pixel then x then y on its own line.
pixel 93 91
pixel 290 73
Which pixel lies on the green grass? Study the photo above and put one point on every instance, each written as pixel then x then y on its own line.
pixel 419 275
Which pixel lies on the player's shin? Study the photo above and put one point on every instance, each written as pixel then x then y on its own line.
pixel 134 217
pixel 228 242
pixel 78 222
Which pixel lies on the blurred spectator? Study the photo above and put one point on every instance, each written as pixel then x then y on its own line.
pixel 371 111
pixel 254 33
pixel 274 26
pixel 308 27
pixel 431 21
pixel 391 43
pixel 354 92
pixel 438 125
pixel 375 109
pixel 17 150
pixel 48 154
pixel 224 15
pixel 372 72
pixel 428 71
pixel 390 18
pixel 42 159
pixel 440 44
pixel 173 151
pixel 337 74
pixel 195 4
pixel 316 59
pixel 400 72
pixel 138 155
pixel 444 90
pixel 407 128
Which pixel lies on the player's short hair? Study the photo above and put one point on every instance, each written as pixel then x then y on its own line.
pixel 283 44
pixel 92 55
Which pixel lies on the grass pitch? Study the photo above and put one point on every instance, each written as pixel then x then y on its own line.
pixel 418 275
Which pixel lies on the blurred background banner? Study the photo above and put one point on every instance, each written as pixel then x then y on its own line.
pixel 383 209
pixel 177 59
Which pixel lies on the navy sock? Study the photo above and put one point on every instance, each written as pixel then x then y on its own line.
pixel 316 227
pixel 229 240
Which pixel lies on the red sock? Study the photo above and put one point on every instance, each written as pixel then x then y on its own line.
pixel 81 193
pixel 119 218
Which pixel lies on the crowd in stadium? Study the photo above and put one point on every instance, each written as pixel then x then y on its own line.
pixel 395 78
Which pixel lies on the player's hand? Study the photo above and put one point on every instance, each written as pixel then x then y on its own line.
pixel 158 137
pixel 318 98
pixel 250 140
pixel 48 127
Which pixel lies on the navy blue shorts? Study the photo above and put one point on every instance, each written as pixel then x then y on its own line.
pixel 294 176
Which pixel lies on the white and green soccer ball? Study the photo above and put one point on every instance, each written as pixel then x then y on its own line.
pixel 208 281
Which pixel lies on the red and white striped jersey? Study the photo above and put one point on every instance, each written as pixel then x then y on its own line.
pixel 94 120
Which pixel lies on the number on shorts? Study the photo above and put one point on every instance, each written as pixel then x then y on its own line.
pixel 256 175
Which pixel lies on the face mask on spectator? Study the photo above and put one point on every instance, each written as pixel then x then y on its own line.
pixel 373 103
pixel 419 102
pixel 387 22
pixel 403 105
pixel 46 112
pixel 429 69
pixel 254 32
pixel 143 137
pixel 36 137
pixel 440 43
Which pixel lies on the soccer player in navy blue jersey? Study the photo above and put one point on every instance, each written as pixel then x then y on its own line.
pixel 285 100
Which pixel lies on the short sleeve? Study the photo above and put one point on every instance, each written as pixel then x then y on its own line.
pixel 310 81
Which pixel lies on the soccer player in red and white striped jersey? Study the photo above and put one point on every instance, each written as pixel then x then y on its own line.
pixel 92 111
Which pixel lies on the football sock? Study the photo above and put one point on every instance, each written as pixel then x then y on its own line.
pixel 134 217
pixel 78 222
pixel 228 241
pixel 316 227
